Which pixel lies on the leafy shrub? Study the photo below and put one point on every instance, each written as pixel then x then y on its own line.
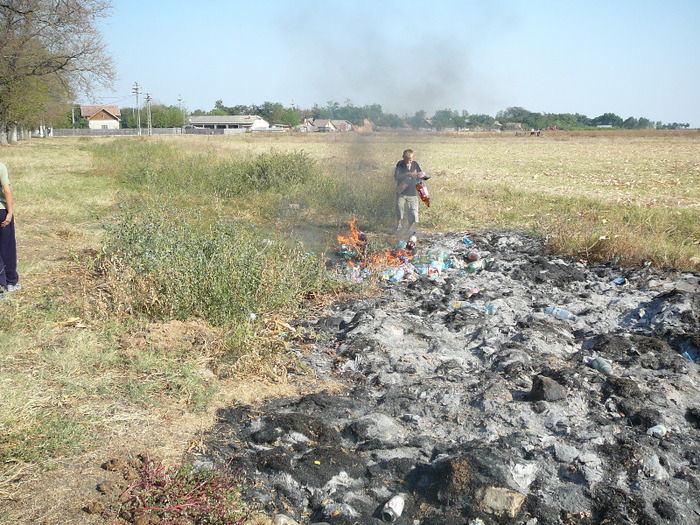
pixel 168 266
pixel 163 168
pixel 264 172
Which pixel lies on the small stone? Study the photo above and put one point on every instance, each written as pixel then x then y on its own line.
pixel 540 407
pixel 141 517
pixel 106 487
pixel 281 519
pixel 501 501
pixel 547 389
pixel 565 453
pixel 113 465
pixel 96 507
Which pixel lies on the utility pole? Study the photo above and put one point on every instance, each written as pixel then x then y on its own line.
pixel 179 106
pixel 137 90
pixel 148 106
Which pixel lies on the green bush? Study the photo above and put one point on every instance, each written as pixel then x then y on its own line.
pixel 174 266
pixel 162 168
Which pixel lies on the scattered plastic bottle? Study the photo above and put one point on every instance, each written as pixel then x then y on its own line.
pixel 488 309
pixel 438 265
pixel 476 266
pixel 657 431
pixel 397 275
pixel 600 364
pixel 393 508
pixel 560 313
pixel 422 269
pixel 467 294
pixel 411 244
pixel 423 193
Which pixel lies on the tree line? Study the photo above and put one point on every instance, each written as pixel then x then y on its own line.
pixel 441 120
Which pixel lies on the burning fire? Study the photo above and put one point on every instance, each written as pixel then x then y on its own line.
pixel 354 246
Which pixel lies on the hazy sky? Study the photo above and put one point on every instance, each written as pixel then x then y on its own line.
pixel 633 58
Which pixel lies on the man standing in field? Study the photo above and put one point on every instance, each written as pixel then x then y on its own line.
pixel 407 174
pixel 8 248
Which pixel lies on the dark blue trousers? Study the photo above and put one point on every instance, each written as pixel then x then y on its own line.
pixel 8 253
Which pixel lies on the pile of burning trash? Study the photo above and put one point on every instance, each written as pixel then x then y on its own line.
pixel 536 390
pixel 406 262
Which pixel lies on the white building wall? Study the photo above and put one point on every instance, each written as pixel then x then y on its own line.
pixel 100 124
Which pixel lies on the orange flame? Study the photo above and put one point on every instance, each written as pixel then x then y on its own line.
pixel 357 240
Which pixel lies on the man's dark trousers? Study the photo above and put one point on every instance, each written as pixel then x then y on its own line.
pixel 8 253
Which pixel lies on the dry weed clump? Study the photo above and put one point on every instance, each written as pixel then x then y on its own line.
pixel 181 494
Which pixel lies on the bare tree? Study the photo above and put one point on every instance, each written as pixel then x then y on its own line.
pixel 49 49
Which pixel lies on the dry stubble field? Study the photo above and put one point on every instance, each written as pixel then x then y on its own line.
pixel 76 391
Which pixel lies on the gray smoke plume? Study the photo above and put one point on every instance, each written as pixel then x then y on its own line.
pixel 389 55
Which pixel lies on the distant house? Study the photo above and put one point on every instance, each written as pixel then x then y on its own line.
pixel 324 125
pixel 342 125
pixel 101 117
pixel 242 122
pixel 306 126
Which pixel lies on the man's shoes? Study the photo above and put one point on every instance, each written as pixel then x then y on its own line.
pixel 14 287
pixel 399 228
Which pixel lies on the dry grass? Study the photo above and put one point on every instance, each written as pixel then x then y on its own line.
pixel 598 195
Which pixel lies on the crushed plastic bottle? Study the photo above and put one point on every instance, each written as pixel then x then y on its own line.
pixel 600 364
pixel 657 431
pixel 477 266
pixel 456 262
pixel 488 309
pixel 560 313
pixel 393 508
pixel 398 275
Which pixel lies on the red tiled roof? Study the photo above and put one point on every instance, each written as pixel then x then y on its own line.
pixel 90 111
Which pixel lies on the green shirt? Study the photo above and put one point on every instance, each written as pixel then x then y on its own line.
pixel 4 179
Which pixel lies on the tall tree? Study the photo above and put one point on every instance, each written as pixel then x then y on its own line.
pixel 49 50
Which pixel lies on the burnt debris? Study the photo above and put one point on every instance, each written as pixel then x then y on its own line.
pixel 490 415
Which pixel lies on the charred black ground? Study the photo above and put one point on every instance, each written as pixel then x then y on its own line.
pixel 490 417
